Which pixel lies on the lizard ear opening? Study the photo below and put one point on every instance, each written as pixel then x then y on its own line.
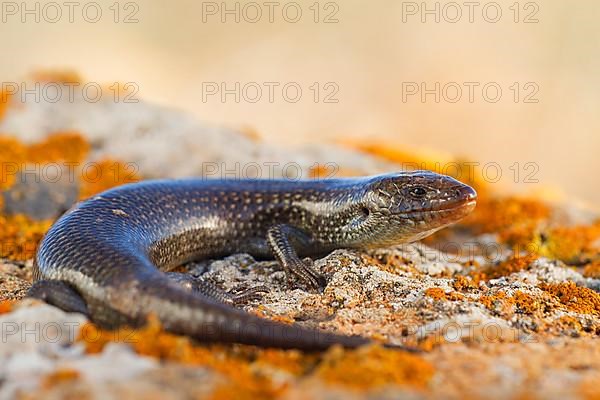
pixel 361 215
pixel 365 211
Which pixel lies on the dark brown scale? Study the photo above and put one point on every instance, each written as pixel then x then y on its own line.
pixel 107 256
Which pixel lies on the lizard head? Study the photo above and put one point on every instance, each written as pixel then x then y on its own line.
pixel 408 206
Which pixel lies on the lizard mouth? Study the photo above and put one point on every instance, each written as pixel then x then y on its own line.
pixel 452 213
pixel 465 201
pixel 453 210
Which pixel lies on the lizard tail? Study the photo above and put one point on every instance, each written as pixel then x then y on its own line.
pixel 204 319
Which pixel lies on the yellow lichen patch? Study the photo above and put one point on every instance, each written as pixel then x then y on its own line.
pixel 105 174
pixel 575 298
pixel 20 235
pixel 6 306
pixel 373 366
pixel 60 376
pixel 571 243
pixel 56 76
pixel 592 270
pixel 69 147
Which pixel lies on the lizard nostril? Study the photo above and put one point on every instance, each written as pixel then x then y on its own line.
pixel 471 193
pixel 465 193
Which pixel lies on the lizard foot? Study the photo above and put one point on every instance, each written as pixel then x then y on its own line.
pixel 305 272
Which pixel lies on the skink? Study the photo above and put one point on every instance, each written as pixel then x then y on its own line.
pixel 109 256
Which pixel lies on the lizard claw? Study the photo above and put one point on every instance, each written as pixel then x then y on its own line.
pixel 305 272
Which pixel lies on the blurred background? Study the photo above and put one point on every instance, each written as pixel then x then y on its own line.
pixel 504 82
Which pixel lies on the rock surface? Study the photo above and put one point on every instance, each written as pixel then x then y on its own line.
pixel 515 325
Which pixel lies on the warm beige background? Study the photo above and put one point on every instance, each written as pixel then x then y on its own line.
pixel 170 52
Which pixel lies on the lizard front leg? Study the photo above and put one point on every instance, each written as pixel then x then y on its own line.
pixel 280 238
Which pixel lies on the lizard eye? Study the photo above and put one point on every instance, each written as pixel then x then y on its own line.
pixel 418 192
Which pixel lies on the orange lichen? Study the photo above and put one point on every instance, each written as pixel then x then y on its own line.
pixel 498 302
pixel 430 342
pixel 525 303
pixel 6 306
pixel 152 341
pixel 571 243
pixel 12 155
pixel 575 298
pixel 568 322
pixel 374 366
pixel 514 264
pixel 392 263
pixel 462 283
pixel 294 362
pixel 592 270
pixel 105 174
pixel 4 101
pixel 245 366
pixel 20 235
pixel 516 220
pixel 59 376
pixel 69 147
pixel 264 312
pixel 437 293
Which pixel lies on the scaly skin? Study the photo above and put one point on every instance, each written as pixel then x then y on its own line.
pixel 107 256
